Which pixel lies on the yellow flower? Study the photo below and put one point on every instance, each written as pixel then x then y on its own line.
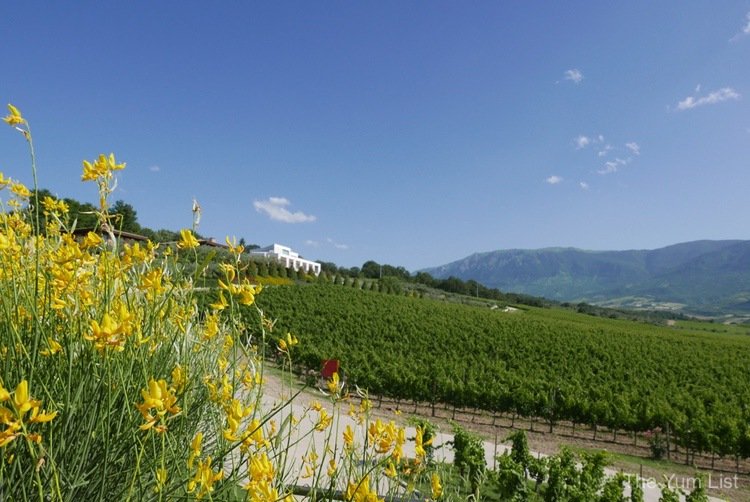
pixel 178 379
pixel 247 294
pixel 195 449
pixel 235 412
pixel 333 384
pixel 419 444
pixel 53 349
pixel 348 436
pixel 102 167
pixel 229 271
pixel 384 437
pixel 261 483
pixel 4 394
pixel 220 304
pixel 365 406
pixel 261 468
pixel 187 240
pixel 151 282
pixel 204 479
pixel 361 492
pixel 324 420
pixel 54 206
pixel 288 343
pixel 38 417
pixel 161 479
pixel 20 190
pixel 437 488
pixel 390 471
pixel 332 468
pixel 254 436
pixel 234 248
pixel 91 240
pixel 22 400
pixel 311 463
pixel 162 400
pixel 108 334
pixel 14 118
pixel 13 421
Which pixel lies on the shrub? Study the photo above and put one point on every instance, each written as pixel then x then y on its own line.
pixel 115 385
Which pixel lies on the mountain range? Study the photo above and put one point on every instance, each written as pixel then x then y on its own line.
pixel 699 277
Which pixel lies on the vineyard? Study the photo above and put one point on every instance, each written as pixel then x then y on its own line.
pixel 545 363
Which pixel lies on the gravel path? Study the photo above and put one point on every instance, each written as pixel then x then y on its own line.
pixel 275 393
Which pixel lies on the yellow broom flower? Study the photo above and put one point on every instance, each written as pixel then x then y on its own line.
pixel 187 240
pixel 14 118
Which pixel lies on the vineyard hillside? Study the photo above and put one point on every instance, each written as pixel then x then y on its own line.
pixel 690 378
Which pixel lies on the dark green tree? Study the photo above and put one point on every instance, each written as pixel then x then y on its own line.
pixel 124 217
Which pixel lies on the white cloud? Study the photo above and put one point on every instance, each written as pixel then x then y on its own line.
pixel 633 147
pixel 582 141
pixel 312 243
pixel 745 29
pixel 554 180
pixel 574 75
pixel 583 185
pixel 275 208
pixel 337 245
pixel 154 169
pixel 604 151
pixel 723 94
pixel 612 166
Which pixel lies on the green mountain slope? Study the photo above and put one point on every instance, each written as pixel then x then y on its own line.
pixel 702 276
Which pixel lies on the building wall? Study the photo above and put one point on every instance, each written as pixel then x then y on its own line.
pixel 288 258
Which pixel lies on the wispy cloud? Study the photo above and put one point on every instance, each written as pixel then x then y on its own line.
pixel 312 243
pixel 554 180
pixel 337 245
pixel 154 169
pixel 612 166
pixel 745 29
pixel 583 185
pixel 634 148
pixel 724 94
pixel 276 209
pixel 574 75
pixel 604 151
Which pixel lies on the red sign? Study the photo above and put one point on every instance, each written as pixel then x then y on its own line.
pixel 330 366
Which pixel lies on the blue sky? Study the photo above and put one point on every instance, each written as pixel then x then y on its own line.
pixel 410 133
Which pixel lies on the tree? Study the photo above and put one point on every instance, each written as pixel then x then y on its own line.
pixel 371 269
pixel 83 214
pixel 124 217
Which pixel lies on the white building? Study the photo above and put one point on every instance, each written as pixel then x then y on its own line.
pixel 287 257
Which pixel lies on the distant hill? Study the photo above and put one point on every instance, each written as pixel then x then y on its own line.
pixel 702 277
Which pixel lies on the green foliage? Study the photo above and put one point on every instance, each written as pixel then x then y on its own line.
pixel 469 456
pixel 699 492
pixel 608 372
pixel 657 443
pixel 124 217
pixel 520 450
pixel 669 495
pixel 510 477
pixel 636 489
pixel 613 490
pixel 429 432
